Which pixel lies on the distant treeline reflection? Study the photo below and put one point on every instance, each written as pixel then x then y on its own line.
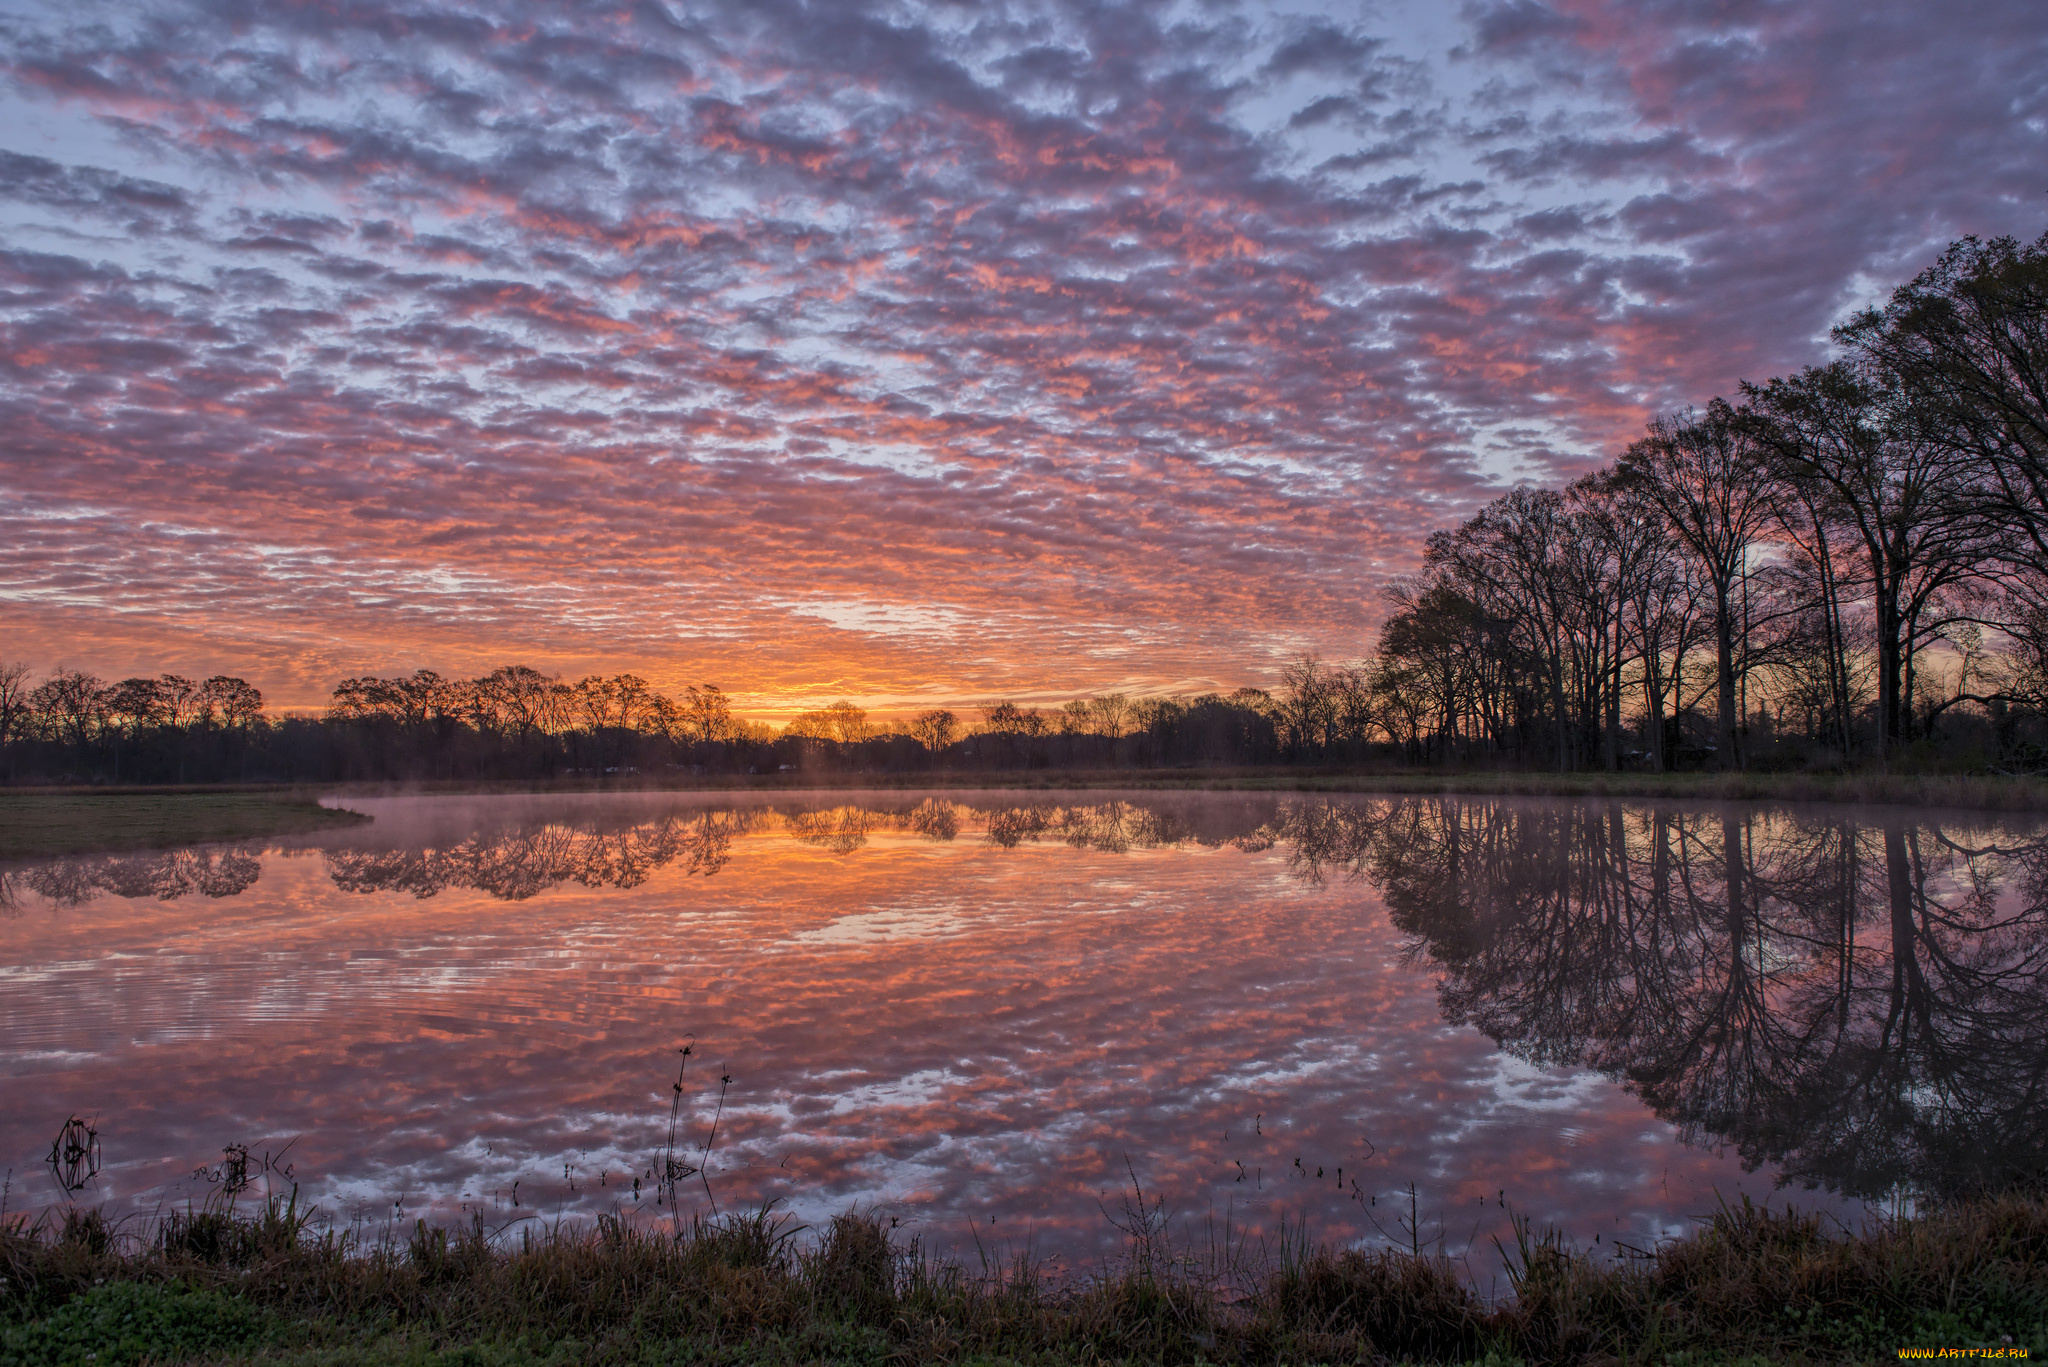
pixel 1864 1005
pixel 521 860
pixel 166 875
pixel 519 863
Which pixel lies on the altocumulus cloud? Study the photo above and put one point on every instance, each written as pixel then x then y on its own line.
pixel 1049 346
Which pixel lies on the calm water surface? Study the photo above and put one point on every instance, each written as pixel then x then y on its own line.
pixel 984 1017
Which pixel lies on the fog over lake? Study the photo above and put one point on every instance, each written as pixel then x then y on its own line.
pixel 986 1013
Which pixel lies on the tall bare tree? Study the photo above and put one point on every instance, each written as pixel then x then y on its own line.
pixel 1707 474
pixel 707 714
pixel 1907 497
pixel 1111 715
pixel 1968 337
pixel 934 729
pixel 70 706
pixel 14 706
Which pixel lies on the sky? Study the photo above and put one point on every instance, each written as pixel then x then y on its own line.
pixel 906 353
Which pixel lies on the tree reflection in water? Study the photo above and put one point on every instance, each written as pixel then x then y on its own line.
pixel 1864 1005
pixel 1861 1001
pixel 519 863
pixel 166 875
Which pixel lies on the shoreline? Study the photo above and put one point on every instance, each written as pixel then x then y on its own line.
pixel 44 825
pixel 47 822
pixel 1987 791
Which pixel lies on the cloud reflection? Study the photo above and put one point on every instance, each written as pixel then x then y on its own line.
pixel 973 1010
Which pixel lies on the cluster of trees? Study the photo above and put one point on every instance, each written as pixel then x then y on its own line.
pixel 518 701
pixel 1843 558
pixel 1113 730
pixel 511 723
pixel 163 729
pixel 518 723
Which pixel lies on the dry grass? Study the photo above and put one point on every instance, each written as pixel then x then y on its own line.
pixel 36 824
pixel 1752 1283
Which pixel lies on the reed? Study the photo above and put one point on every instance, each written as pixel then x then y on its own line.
pixel 263 1284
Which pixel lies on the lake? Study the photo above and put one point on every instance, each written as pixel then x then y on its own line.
pixel 990 1015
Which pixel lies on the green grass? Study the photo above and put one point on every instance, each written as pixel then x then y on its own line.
pixel 40 824
pixel 1751 1285
pixel 133 1322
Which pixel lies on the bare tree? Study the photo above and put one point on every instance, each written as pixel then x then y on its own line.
pixel 1706 473
pixel 1111 713
pixel 849 723
pixel 934 729
pixel 1513 558
pixel 235 702
pixel 520 700
pixel 707 714
pixel 14 706
pixel 69 706
pixel 1436 648
pixel 1968 338
pixel 616 703
pixel 180 698
pixel 1906 496
pixel 1308 706
pixel 1001 716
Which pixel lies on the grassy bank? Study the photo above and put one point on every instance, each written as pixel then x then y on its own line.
pixel 1750 1285
pixel 36 824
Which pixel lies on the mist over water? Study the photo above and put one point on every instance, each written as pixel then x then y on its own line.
pixel 986 1015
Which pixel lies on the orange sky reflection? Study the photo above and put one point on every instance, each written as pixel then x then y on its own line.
pixel 975 1038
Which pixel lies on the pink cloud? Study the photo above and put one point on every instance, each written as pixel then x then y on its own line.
pixel 402 337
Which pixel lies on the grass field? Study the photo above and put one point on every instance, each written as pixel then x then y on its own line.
pixel 39 824
pixel 1749 1286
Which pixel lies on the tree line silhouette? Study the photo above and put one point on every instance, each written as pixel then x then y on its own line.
pixel 1842 565
pixel 1832 566
pixel 517 723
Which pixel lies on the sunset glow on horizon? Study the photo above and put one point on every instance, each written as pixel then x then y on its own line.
pixel 899 353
